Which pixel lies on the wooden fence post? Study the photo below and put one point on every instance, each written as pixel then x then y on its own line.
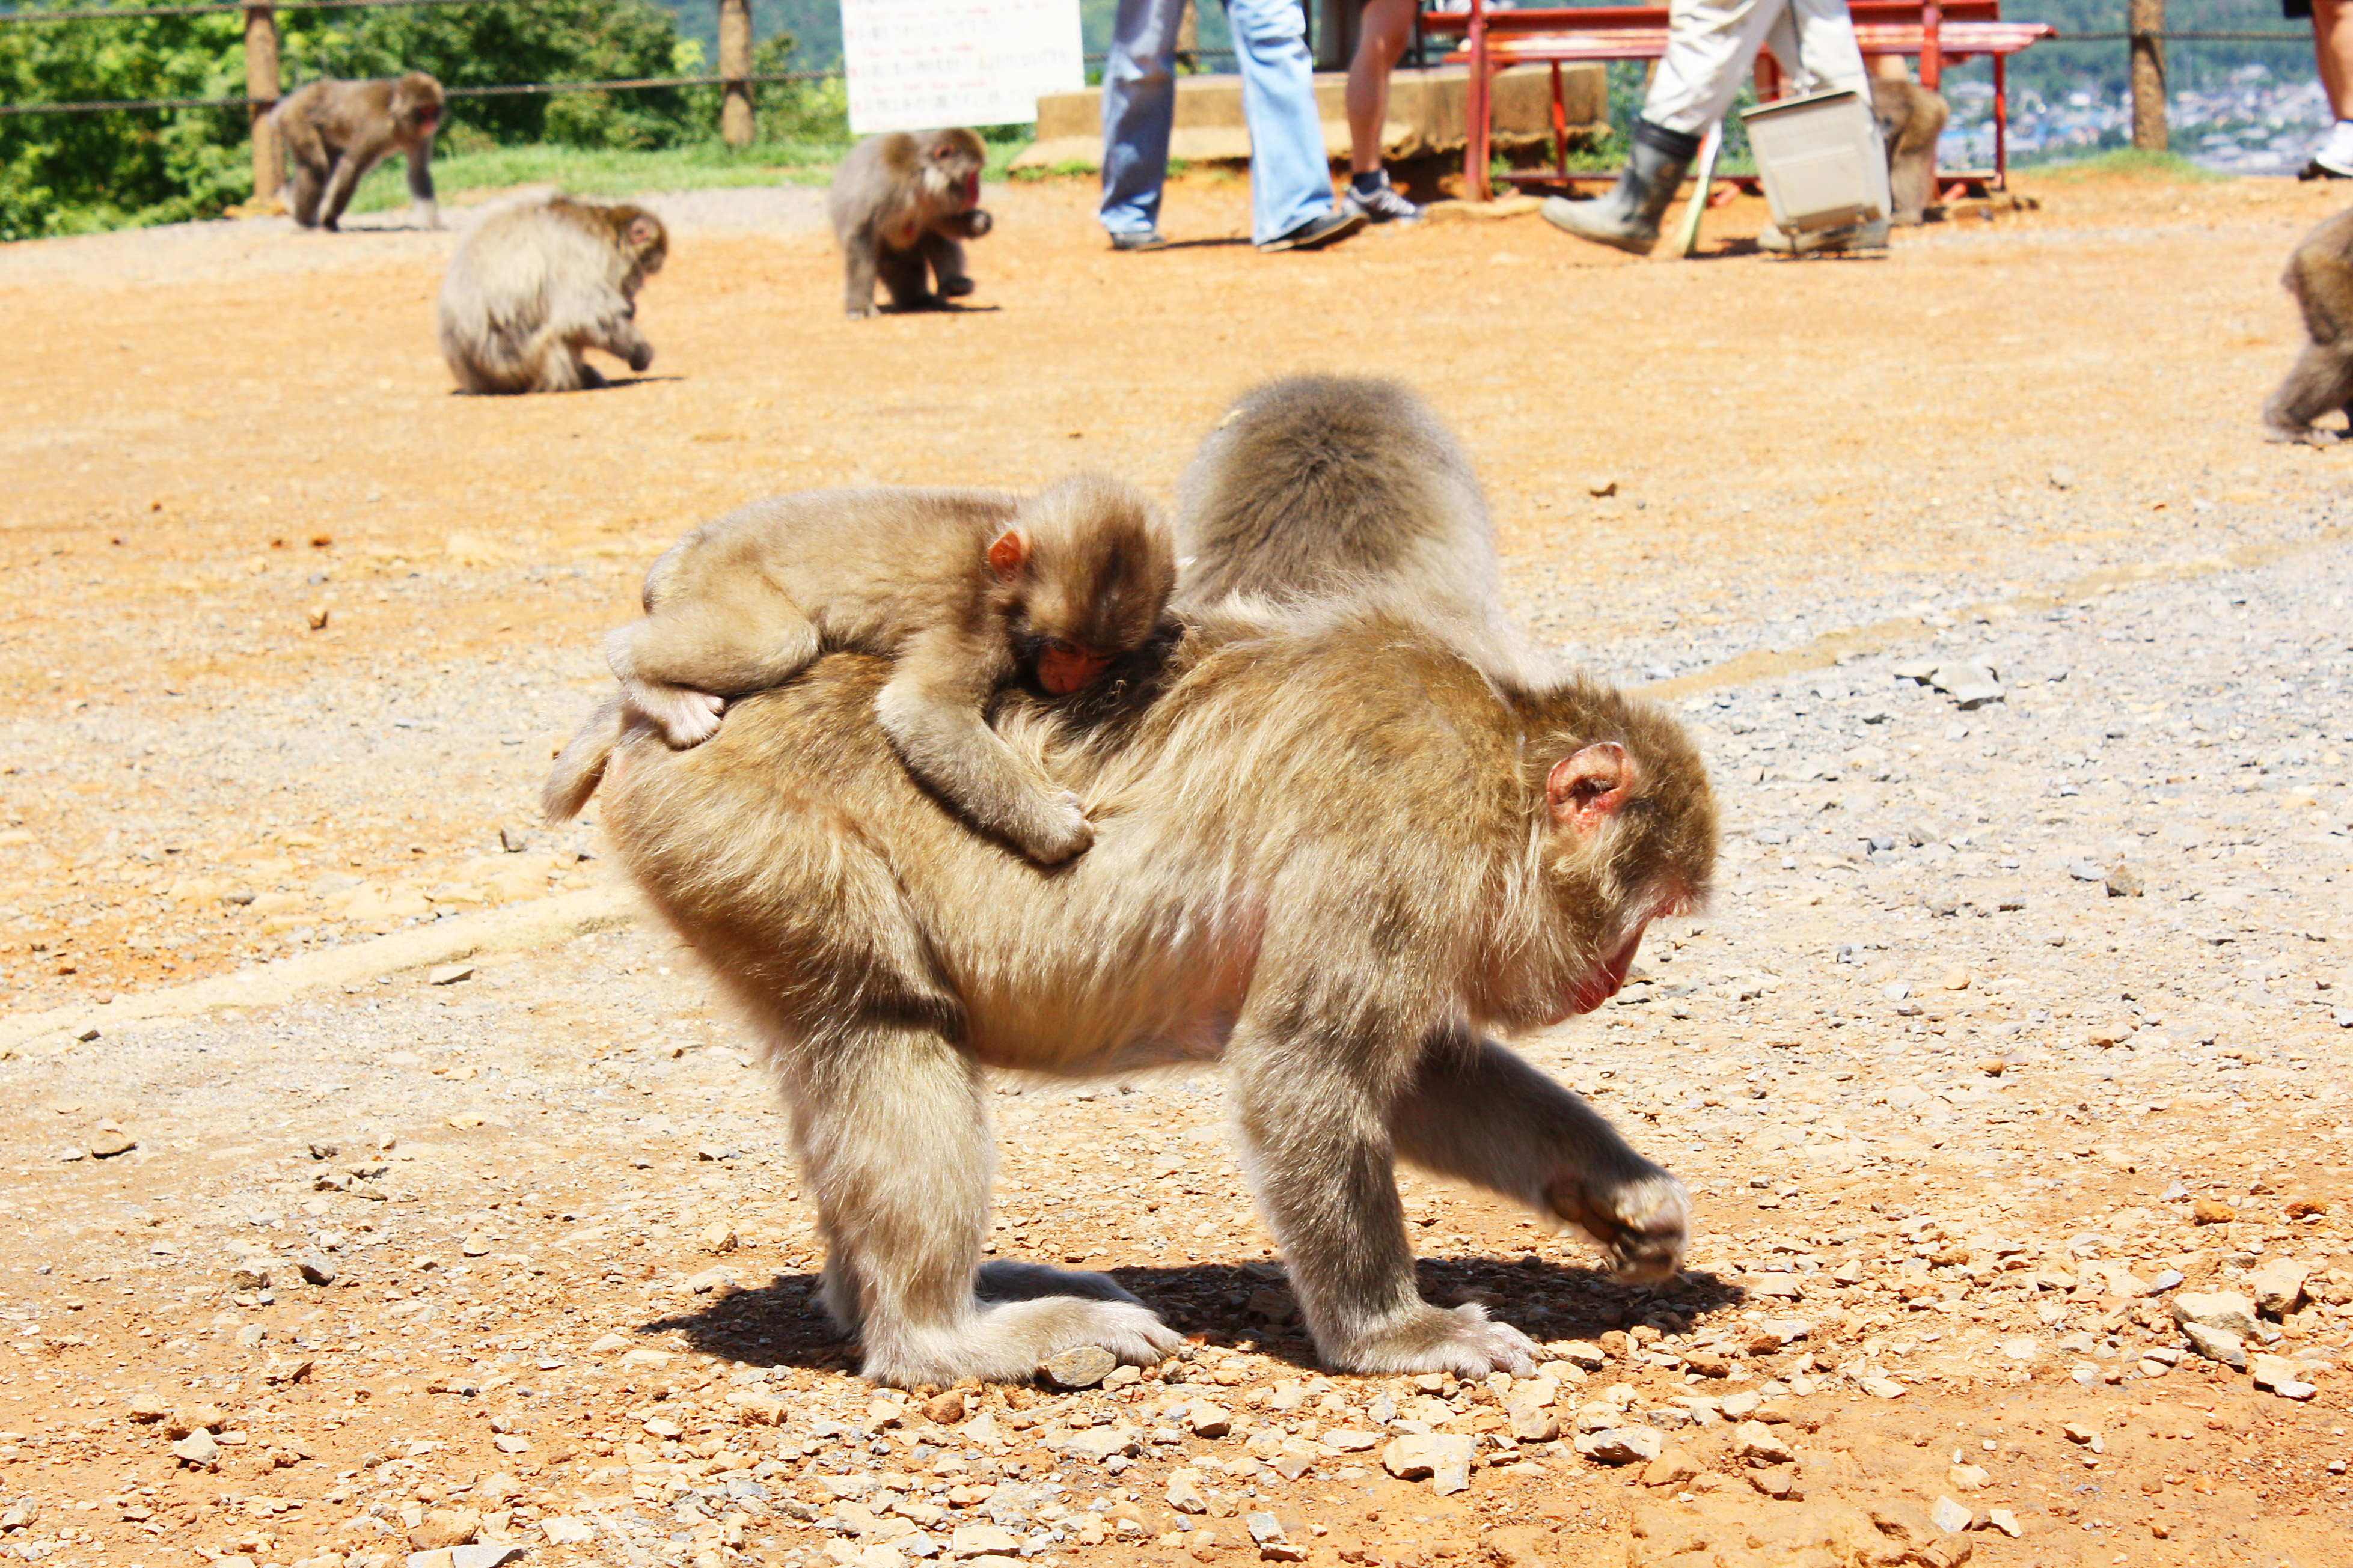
pixel 2145 22
pixel 262 85
pixel 735 122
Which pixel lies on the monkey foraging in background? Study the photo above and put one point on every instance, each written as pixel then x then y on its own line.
pixel 1343 489
pixel 1911 118
pixel 901 206
pixel 335 131
pixel 965 589
pixel 540 279
pixel 2320 275
pixel 1329 851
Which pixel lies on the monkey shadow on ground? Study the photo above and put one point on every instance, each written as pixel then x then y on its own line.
pixel 610 383
pixel 1244 1306
pixel 939 308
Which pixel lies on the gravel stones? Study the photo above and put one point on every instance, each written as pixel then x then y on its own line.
pixel 1080 1366
pixel 1622 1444
pixel 197 1449
pixel 2216 1345
pixel 1443 1457
pixel 2220 1309
pixel 444 1527
pixel 2278 1286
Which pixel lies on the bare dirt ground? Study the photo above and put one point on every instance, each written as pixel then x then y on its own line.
pixel 380 1183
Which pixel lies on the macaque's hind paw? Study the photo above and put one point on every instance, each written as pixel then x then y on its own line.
pixel 685 717
pixel 1460 1340
pixel 1006 1341
pixel 1643 1224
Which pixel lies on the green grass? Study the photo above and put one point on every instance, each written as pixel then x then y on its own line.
pixel 2131 164
pixel 600 171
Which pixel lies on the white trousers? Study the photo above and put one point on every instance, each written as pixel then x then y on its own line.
pixel 1711 45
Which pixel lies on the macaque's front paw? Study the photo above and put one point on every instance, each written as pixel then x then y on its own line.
pixel 642 361
pixel 1644 1223
pixel 1060 833
pixel 860 313
pixel 1460 1340
pixel 954 287
pixel 685 717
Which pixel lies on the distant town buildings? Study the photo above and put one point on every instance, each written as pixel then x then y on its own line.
pixel 2259 122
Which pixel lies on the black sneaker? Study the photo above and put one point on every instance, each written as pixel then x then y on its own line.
pixel 1317 232
pixel 1140 240
pixel 1385 204
pixel 2317 170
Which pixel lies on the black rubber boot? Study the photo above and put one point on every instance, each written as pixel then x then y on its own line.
pixel 1627 217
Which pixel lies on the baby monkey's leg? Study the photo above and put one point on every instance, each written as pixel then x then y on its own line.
pixel 678 666
pixel 932 710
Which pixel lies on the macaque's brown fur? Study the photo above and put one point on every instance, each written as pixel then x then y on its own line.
pixel 335 131
pixel 965 589
pixel 1329 850
pixel 1342 489
pixel 2320 276
pixel 539 281
pixel 1911 118
pixel 902 205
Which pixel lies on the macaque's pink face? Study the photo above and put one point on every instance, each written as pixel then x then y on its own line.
pixel 1064 667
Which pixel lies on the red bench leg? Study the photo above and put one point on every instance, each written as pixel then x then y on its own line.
pixel 1559 129
pixel 2000 124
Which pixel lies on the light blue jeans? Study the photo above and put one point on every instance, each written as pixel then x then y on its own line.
pixel 1290 177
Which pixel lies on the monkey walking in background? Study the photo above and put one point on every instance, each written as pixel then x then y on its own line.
pixel 1344 487
pixel 538 282
pixel 335 131
pixel 901 206
pixel 1329 851
pixel 965 589
pixel 2320 275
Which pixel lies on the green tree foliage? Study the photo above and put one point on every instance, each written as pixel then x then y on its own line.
pixel 66 172
pixel 61 173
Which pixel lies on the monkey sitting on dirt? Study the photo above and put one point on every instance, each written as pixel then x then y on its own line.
pixel 2320 276
pixel 966 589
pixel 902 205
pixel 337 130
pixel 539 281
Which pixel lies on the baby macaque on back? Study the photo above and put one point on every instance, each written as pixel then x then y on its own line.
pixel 965 589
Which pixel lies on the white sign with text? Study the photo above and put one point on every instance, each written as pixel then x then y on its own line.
pixel 916 65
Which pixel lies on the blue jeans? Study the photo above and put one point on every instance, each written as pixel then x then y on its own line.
pixel 1290 177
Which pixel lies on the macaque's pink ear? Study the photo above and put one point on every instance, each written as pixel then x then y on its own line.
pixel 1587 789
pixel 1006 554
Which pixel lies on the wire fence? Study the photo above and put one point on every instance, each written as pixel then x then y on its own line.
pixel 216 8
pixel 626 84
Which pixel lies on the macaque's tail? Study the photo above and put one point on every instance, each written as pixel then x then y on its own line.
pixel 580 766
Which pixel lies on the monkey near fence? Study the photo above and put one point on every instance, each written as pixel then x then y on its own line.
pixel 335 131
pixel 1329 849
pixel 539 281
pixel 2320 275
pixel 965 589
pixel 1911 118
pixel 901 206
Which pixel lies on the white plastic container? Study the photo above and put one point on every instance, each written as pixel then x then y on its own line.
pixel 1821 159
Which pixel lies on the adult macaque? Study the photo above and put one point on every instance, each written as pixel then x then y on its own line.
pixel 538 282
pixel 966 590
pixel 1328 849
pixel 1346 487
pixel 2320 275
pixel 1911 118
pixel 335 131
pixel 901 206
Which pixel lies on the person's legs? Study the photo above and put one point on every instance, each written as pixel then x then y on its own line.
pixel 1711 45
pixel 1386 27
pixel 1291 179
pixel 1139 106
pixel 2332 48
